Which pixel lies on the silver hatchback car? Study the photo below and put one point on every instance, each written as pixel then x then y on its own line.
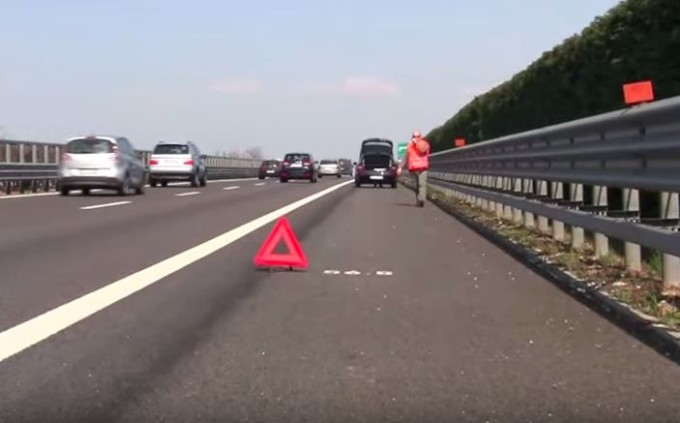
pixel 101 162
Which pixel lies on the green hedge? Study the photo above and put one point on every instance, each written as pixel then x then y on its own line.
pixel 636 40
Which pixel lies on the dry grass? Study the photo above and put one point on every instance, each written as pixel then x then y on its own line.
pixel 640 290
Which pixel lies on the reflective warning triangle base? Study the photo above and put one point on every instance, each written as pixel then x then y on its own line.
pixel 296 257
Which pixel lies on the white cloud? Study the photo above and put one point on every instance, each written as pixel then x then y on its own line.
pixel 237 86
pixel 354 86
pixel 369 87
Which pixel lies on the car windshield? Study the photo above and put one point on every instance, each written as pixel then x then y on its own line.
pixel 270 163
pixel 171 149
pixel 89 146
pixel 328 162
pixel 297 157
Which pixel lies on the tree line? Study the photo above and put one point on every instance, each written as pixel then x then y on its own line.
pixel 635 40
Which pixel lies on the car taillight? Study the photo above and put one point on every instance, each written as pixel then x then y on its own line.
pixel 306 163
pixel 153 162
pixel 189 162
pixel 116 152
pixel 286 163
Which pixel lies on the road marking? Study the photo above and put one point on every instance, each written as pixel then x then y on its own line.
pixel 99 206
pixel 184 194
pixel 39 328
pixel 52 193
pixel 260 184
pixel 230 188
pixel 38 194
pixel 356 272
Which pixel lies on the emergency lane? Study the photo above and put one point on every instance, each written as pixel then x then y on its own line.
pixel 403 315
pixel 56 252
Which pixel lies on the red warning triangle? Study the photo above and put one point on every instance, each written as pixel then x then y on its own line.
pixel 295 258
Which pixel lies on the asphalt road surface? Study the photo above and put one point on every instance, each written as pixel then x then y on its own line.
pixel 403 315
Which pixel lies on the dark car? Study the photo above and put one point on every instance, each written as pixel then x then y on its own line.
pixel 269 168
pixel 299 166
pixel 345 166
pixel 376 164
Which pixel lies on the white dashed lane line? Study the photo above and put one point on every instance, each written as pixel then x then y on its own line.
pixel 260 184
pixel 185 194
pixel 356 272
pixel 230 188
pixel 99 206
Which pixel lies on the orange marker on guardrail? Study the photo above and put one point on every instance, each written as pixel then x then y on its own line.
pixel 638 92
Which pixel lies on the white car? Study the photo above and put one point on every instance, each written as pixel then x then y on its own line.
pixel 329 168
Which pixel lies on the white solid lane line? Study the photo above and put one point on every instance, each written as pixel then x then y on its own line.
pixel 50 194
pixel 99 206
pixel 230 188
pixel 260 184
pixel 39 328
pixel 184 194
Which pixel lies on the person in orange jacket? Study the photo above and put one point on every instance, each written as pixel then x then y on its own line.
pixel 417 159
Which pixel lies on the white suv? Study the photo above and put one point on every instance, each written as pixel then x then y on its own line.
pixel 170 162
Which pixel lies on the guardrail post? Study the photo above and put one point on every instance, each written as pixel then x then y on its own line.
pixel 671 264
pixel 518 213
pixel 528 216
pixel 479 181
pixel 507 186
pixel 558 226
pixel 499 205
pixel 485 184
pixel 543 225
pixel 601 241
pixel 577 234
pixel 491 184
pixel 633 252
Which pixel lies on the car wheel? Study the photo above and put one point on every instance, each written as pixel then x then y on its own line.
pixel 86 191
pixel 283 180
pixel 394 184
pixel 140 188
pixel 164 184
pixel 153 183
pixel 194 180
pixel 64 191
pixel 125 186
pixel 204 181
pixel 260 177
pixel 357 183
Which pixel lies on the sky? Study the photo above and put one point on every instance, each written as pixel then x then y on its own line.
pixel 317 76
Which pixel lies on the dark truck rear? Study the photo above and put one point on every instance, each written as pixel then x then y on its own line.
pixel 376 163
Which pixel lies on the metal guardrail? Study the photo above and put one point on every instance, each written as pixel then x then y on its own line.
pixel 594 174
pixel 27 166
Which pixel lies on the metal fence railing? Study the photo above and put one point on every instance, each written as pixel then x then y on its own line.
pixel 615 175
pixel 27 166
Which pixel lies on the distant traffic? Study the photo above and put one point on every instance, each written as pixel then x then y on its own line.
pixel 112 163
